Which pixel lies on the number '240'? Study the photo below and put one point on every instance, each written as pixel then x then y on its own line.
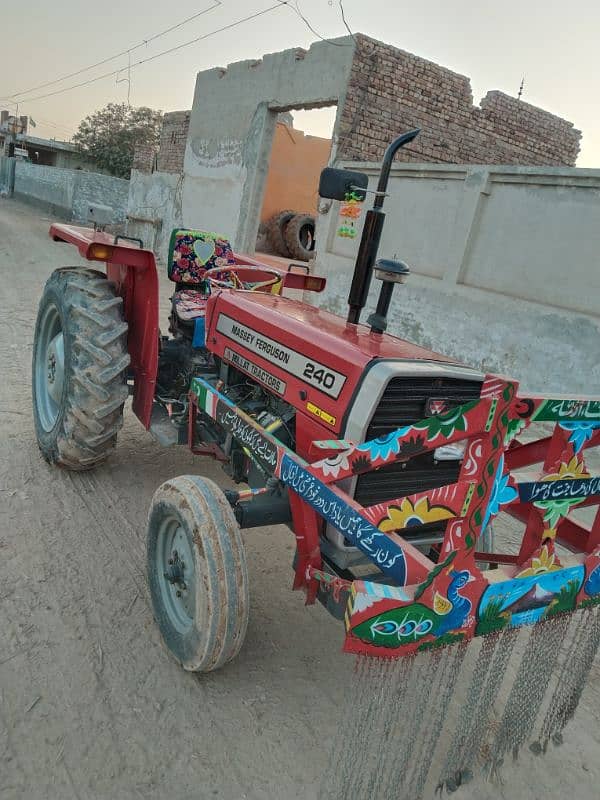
pixel 320 376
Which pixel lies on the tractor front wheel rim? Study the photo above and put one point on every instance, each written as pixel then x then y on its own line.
pixel 49 368
pixel 176 574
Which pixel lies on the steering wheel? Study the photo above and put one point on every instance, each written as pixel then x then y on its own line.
pixel 240 277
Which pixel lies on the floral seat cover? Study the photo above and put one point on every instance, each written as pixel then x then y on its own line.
pixel 191 253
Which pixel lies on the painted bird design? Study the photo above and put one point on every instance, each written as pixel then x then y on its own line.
pixel 459 607
pixel 408 624
pixel 592 585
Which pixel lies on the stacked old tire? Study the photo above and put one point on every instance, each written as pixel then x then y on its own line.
pixel 292 235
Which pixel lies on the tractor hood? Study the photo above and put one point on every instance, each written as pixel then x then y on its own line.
pixel 311 358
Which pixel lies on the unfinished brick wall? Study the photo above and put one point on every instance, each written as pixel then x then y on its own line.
pixel 391 91
pixel 172 141
pixel 144 157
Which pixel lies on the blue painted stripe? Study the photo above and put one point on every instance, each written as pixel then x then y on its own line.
pixel 567 489
pixel 382 550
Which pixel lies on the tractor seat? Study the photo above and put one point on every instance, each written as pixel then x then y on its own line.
pixel 191 253
pixel 189 304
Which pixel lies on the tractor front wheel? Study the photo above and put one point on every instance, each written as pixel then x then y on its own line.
pixel 79 368
pixel 197 573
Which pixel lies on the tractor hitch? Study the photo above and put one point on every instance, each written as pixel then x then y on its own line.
pixel 254 508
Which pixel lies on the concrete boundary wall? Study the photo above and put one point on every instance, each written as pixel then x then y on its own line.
pixel 504 267
pixel 68 192
pixel 7 168
pixel 154 209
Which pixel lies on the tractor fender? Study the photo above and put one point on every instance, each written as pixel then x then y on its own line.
pixel 132 270
pixel 138 286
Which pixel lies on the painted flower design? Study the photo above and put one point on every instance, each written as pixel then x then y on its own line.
pixel 545 562
pixel 384 446
pixel 555 510
pixel 407 515
pixel 413 446
pixel 513 428
pixel 361 464
pixel 574 469
pixel 581 432
pixel 333 465
pixel 502 493
pixel 446 424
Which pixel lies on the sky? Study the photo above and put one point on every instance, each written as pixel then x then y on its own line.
pixel 551 43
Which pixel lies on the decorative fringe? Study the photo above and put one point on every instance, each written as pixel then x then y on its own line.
pixel 472 717
pixel 528 690
pixel 440 698
pixel 581 645
pixel 438 709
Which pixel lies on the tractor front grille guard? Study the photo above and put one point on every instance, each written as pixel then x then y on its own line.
pixel 427 604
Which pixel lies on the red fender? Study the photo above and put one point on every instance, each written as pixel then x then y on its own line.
pixel 133 271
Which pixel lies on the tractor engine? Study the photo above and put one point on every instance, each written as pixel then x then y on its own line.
pixel 179 362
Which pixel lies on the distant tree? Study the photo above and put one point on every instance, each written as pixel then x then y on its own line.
pixel 109 135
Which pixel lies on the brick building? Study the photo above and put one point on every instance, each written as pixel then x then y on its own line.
pixel 390 90
pixel 171 149
pixel 223 146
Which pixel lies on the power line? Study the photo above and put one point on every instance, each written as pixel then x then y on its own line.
pixel 344 20
pixel 296 9
pixel 216 4
pixel 57 125
pixel 157 55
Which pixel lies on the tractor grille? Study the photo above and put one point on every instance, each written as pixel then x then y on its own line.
pixel 403 403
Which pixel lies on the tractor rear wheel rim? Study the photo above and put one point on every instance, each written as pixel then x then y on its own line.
pixel 49 368
pixel 176 574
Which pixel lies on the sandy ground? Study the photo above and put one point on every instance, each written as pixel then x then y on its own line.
pixel 91 704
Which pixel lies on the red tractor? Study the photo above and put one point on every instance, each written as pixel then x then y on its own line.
pixel 266 384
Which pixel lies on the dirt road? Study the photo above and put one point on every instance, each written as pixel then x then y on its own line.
pixel 91 705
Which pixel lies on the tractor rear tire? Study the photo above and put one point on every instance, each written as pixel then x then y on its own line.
pixel 79 368
pixel 276 228
pixel 299 237
pixel 197 573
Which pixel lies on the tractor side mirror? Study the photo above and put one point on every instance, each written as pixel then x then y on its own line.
pixel 336 184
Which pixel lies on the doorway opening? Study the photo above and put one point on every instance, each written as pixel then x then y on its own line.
pixel 301 148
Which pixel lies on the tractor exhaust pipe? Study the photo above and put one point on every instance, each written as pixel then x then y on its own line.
pixel 371 235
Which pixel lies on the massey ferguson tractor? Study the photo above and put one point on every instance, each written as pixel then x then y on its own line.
pixel 386 461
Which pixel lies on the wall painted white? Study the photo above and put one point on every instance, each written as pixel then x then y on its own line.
pixel 69 192
pixel 504 267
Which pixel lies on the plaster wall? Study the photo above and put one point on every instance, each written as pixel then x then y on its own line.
pixel 232 127
pixel 294 169
pixel 68 192
pixel 154 209
pixel 46 186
